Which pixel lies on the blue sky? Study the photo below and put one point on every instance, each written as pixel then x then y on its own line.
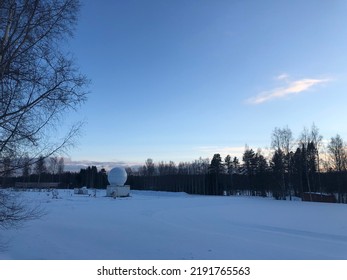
pixel 176 80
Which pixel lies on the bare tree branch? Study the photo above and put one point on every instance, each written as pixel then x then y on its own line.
pixel 39 84
pixel 14 212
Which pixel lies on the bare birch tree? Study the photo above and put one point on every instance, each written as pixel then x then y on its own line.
pixel 39 83
pixel 282 143
pixel 338 153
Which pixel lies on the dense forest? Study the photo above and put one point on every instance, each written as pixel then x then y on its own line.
pixel 293 167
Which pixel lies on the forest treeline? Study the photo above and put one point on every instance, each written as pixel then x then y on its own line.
pixel 51 170
pixel 292 167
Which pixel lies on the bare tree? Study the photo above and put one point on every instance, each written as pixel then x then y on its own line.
pixel 311 142
pixel 282 139
pixel 162 168
pixel 338 152
pixel 13 212
pixel 150 167
pixel 172 167
pixel 39 83
pixel 52 165
pixel 317 142
pixel 282 143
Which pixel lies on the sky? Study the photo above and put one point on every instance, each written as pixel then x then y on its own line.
pixel 178 80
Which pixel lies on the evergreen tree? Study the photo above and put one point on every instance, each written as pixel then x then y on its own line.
pixel 261 165
pixel 278 169
pixel 102 181
pixel 261 168
pixel 230 170
pixel 228 164
pixel 297 164
pixel 249 162
pixel 216 168
pixel 236 165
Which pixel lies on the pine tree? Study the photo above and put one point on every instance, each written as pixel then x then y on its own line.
pixel 216 166
pixel 228 164
pixel 249 162
pixel 215 169
pixel 278 168
pixel 236 165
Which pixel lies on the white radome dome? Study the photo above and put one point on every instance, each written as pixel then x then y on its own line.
pixel 117 176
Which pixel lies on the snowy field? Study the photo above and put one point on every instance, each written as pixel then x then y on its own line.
pixel 164 226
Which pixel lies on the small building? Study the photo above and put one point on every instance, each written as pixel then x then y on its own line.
pixel 318 197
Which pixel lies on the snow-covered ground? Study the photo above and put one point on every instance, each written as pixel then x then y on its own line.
pixel 160 225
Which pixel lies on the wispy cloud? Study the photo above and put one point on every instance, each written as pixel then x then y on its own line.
pixel 209 151
pixel 283 76
pixel 76 165
pixel 290 88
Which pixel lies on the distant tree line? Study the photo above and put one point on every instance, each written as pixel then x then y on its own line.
pixel 293 167
pixel 51 170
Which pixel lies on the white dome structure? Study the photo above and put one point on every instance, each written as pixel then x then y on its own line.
pixel 117 176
